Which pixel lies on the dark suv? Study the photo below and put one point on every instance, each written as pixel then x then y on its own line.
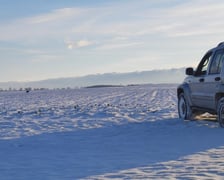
pixel 203 88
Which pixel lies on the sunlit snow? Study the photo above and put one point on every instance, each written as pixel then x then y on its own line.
pixel 130 132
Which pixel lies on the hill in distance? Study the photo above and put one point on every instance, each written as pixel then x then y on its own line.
pixel 171 76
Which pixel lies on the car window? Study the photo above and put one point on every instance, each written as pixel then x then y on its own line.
pixel 203 66
pixel 217 62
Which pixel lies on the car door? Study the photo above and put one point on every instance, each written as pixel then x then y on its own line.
pixel 199 82
pixel 213 80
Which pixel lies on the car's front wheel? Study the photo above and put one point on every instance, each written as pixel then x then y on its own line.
pixel 184 109
pixel 220 112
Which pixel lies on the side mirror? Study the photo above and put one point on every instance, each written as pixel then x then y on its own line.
pixel 189 71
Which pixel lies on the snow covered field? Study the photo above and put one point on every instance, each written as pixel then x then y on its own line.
pixel 105 133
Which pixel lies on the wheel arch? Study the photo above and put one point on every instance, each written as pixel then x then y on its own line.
pixel 184 88
pixel 179 91
pixel 218 96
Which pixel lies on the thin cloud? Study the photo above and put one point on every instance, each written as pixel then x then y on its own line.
pixel 78 44
pixel 137 28
pixel 56 15
pixel 193 18
pixel 113 46
pixel 115 21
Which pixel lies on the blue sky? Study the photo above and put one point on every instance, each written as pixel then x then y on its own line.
pixel 50 39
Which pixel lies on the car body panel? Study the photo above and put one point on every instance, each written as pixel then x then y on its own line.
pixel 205 87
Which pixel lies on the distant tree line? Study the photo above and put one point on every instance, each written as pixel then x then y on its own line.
pixel 23 89
pixel 28 89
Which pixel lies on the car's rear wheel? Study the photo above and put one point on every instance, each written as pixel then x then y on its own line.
pixel 184 109
pixel 221 112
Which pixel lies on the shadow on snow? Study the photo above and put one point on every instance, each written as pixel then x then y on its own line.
pixel 84 153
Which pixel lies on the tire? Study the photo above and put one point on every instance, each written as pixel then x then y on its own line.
pixel 220 112
pixel 184 109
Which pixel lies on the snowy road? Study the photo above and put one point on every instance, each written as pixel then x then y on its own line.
pixel 105 133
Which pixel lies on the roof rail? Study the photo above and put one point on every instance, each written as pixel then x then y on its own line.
pixel 220 44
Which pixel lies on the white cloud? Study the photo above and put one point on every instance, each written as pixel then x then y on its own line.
pixel 78 44
pixel 55 24
pixel 84 43
pixel 119 45
pixel 119 20
pixel 136 27
pixel 56 15
pixel 193 18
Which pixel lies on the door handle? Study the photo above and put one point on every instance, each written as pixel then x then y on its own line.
pixel 217 79
pixel 201 80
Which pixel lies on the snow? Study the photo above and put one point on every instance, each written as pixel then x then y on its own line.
pixel 128 132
